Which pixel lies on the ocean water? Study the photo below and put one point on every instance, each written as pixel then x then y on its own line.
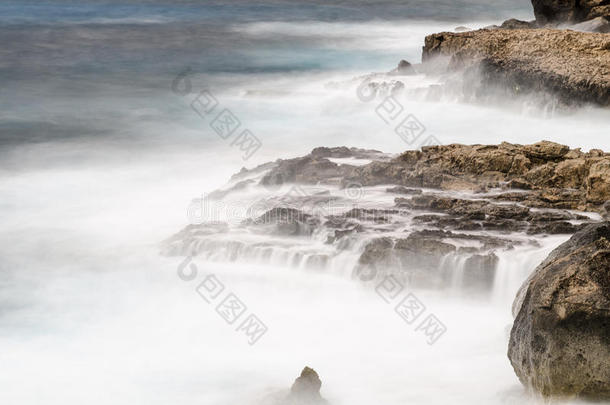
pixel 101 154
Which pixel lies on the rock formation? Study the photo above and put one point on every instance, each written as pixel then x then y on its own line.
pixel 507 192
pixel 570 11
pixel 560 340
pixel 547 174
pixel 404 68
pixel 513 24
pixel 306 389
pixel 574 66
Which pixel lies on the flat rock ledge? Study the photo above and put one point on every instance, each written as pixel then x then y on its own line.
pixel 560 340
pixel 574 66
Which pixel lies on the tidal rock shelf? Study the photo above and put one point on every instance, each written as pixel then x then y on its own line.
pixel 441 217
pixel 540 175
pixel 572 66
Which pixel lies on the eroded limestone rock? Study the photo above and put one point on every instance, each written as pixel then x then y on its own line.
pixel 560 340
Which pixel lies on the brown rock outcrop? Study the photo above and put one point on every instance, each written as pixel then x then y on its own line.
pixel 554 175
pixel 575 66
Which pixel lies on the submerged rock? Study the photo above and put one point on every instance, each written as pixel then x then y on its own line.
pixel 560 340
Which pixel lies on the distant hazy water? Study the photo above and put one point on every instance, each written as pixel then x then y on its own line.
pixel 60 58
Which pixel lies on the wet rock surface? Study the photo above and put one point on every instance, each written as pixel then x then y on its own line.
pixel 418 216
pixel 560 340
pixel 285 221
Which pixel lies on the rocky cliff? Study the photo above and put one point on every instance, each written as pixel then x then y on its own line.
pixel 575 66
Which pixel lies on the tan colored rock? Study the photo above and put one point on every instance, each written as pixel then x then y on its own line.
pixel 541 176
pixel 520 165
pixel 452 183
pixel 545 151
pixel 595 153
pixel 598 182
pixel 571 173
pixel 574 154
pixel 575 66
pixel 554 175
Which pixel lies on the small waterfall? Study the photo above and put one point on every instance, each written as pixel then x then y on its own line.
pixel 515 266
pixel 455 271
pixel 489 265
pixel 299 253
pixel 453 266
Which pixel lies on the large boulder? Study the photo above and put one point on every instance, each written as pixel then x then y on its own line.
pixel 560 340
pixel 569 11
